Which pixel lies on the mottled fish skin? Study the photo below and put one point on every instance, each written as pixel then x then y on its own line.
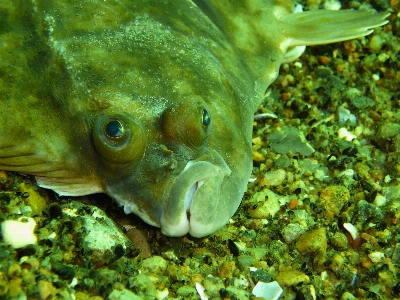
pixel 151 102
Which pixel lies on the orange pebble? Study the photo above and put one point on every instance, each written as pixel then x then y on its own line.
pixel 293 203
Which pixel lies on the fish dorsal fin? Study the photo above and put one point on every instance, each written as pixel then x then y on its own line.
pixel 326 26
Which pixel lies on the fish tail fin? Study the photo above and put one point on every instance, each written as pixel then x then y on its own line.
pixel 327 26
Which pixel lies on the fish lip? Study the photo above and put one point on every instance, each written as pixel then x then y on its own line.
pixel 197 175
pixel 191 194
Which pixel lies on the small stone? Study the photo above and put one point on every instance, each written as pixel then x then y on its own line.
pixel 380 200
pixel 337 264
pixel 376 43
pixel 213 285
pixel 260 275
pixel 290 139
pixel 332 199
pixel 123 294
pixel 4 286
pixel 35 201
pixel 347 296
pixel 353 230
pixel 396 254
pixel 292 232
pixel 263 204
pixel 143 286
pixel 154 265
pixel 100 237
pixel 314 242
pixel 344 134
pixel 273 178
pixel 186 291
pixel 139 240
pixel 14 271
pixel 339 241
pixel 226 269
pixel 258 157
pixel 46 290
pixel 376 257
pixel 63 271
pixel 332 4
pixel 292 278
pixel 271 290
pixel 19 233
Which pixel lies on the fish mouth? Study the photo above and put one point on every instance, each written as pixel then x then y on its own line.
pixel 190 195
pixel 192 198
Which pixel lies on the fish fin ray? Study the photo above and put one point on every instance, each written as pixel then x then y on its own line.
pixel 327 26
pixel 70 186
pixel 60 173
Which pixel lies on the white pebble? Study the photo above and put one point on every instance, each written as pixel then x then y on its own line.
pixel 274 178
pixel 332 5
pixel 376 257
pixel 376 77
pixel 348 173
pixel 201 290
pixel 380 200
pixel 19 234
pixel 270 291
pixel 298 64
pixel 388 178
pixel 352 230
pixel 346 116
pixel 162 294
pixel 344 134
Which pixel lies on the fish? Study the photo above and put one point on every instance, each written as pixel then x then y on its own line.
pixel 151 102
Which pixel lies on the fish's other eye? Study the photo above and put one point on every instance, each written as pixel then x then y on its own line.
pixel 119 139
pixel 114 129
pixel 205 118
pixel 189 122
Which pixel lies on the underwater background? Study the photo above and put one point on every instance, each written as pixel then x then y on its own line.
pixel 321 215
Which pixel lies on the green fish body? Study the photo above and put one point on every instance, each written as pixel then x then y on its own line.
pixel 151 102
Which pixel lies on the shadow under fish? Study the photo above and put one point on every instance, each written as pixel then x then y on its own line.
pixel 151 102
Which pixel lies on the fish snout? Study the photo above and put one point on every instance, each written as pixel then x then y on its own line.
pixel 193 198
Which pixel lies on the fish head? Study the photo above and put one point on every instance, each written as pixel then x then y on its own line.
pixel 184 170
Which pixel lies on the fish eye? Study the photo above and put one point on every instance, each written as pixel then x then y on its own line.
pixel 206 118
pixel 114 129
pixel 119 139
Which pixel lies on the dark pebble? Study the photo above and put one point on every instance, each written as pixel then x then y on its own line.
pixel 55 211
pixel 63 271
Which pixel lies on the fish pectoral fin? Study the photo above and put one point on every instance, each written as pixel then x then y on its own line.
pixel 70 186
pixel 53 170
pixel 327 26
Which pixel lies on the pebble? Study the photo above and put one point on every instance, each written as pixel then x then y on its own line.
pixel 273 178
pixel 34 199
pixel 154 265
pixel 263 204
pixel 313 242
pixel 344 134
pixel 376 257
pixel 292 278
pixel 123 294
pixel 292 232
pixel 271 290
pixel 352 230
pixel 46 290
pixel 139 240
pixel 376 43
pixel 339 240
pixel 332 199
pixel 19 233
